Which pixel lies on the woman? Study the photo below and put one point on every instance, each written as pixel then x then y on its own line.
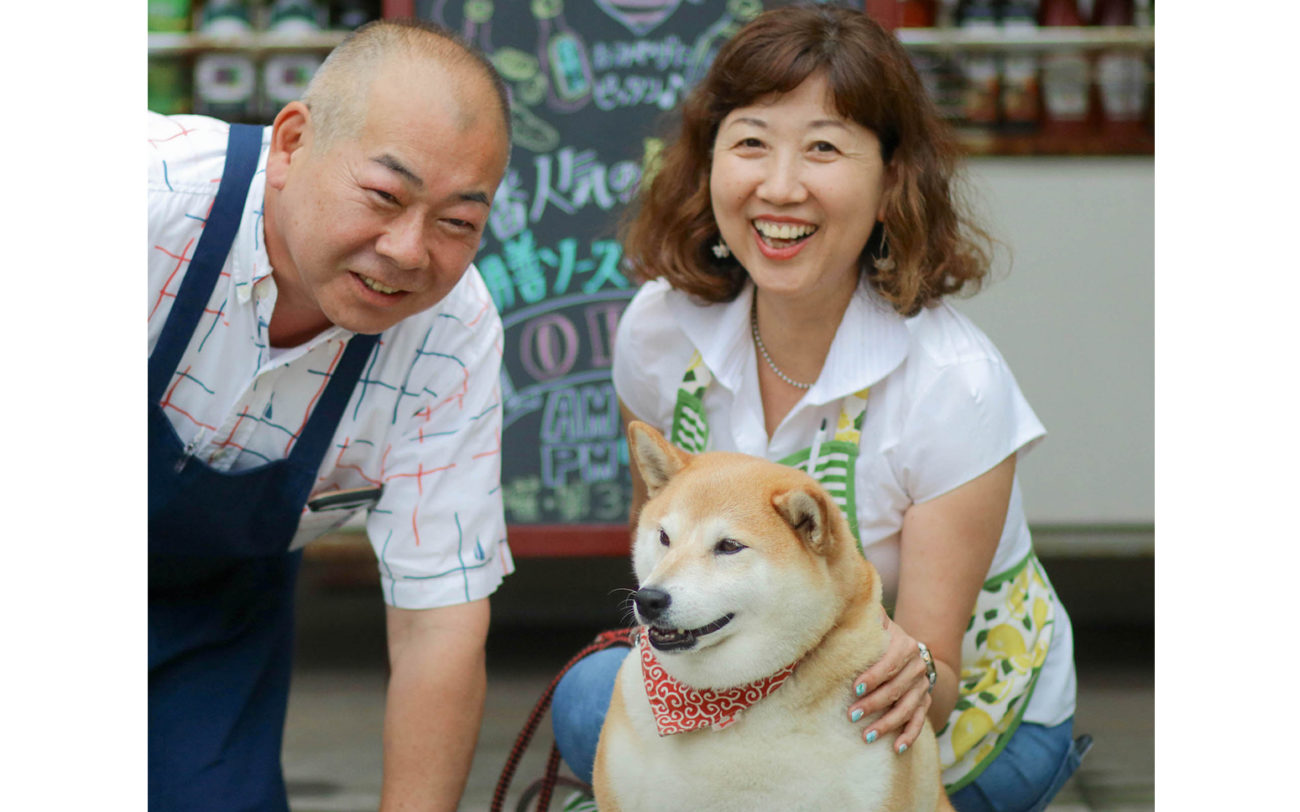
pixel 798 239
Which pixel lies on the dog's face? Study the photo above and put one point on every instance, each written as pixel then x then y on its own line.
pixel 735 558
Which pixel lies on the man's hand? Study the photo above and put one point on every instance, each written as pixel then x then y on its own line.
pixel 435 704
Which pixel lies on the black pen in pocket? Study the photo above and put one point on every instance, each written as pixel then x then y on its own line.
pixel 350 499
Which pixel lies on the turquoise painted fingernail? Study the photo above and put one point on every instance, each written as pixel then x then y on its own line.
pixel 860 689
pixel 856 715
pixel 902 748
pixel 871 736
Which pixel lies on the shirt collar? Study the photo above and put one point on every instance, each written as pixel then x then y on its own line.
pixel 250 263
pixel 719 331
pixel 250 266
pixel 871 341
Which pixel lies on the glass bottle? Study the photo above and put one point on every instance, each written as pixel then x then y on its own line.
pixel 1066 75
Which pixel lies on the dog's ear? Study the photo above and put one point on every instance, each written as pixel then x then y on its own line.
pixel 806 511
pixel 655 458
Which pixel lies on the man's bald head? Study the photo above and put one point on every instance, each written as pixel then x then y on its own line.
pixel 338 93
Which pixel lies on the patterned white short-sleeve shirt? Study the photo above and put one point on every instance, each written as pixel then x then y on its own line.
pixel 424 421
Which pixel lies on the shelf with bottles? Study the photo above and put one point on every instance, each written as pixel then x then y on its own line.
pixel 1035 77
pixel 242 60
pixel 1028 40
pixel 253 43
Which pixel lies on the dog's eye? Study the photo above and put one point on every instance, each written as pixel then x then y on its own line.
pixel 663 537
pixel 728 547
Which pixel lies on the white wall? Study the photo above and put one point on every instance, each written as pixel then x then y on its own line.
pixel 1074 316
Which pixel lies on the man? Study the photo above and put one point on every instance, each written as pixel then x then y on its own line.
pixel 342 355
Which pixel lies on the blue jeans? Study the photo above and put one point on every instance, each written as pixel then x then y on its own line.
pixel 1024 777
pixel 1028 773
pixel 579 705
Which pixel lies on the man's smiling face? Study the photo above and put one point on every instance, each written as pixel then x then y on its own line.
pixel 376 226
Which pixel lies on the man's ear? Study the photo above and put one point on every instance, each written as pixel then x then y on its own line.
pixel 290 133
pixel 655 458
pixel 806 511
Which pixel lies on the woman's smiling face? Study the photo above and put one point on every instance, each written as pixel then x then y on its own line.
pixel 796 190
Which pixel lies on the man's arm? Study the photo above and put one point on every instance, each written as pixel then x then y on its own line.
pixel 435 704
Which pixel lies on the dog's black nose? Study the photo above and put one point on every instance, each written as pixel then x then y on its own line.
pixel 651 603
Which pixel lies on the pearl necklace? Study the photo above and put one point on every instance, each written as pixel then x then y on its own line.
pixel 753 325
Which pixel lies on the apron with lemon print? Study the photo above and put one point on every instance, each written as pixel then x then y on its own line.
pixel 833 460
pixel 1009 633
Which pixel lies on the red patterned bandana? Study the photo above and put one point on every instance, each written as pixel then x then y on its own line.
pixel 678 708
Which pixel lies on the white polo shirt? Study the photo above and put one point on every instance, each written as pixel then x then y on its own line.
pixel 943 409
pixel 424 421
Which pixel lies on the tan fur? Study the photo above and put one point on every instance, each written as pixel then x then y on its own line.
pixel 796 748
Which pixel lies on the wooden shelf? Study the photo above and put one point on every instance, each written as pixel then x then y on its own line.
pixel 1093 142
pixel 1044 39
pixel 180 44
pixel 927 39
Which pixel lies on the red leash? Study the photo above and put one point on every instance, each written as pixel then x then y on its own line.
pixel 604 640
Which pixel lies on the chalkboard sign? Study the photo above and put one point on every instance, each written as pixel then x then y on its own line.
pixel 591 83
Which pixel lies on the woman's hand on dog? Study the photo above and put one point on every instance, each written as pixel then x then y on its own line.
pixel 896 687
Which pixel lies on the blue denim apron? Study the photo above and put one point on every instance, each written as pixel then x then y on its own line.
pixel 220 576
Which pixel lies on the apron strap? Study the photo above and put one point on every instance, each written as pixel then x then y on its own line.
pixel 243 151
pixel 310 447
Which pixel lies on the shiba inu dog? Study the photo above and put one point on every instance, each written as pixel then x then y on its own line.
pixel 757 613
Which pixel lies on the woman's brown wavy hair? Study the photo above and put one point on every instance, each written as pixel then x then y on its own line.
pixel 937 249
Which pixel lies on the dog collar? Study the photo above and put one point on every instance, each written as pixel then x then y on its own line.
pixel 679 708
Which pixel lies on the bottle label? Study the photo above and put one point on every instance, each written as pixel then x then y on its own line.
pixel 285 77
pixel 226 79
pixel 1065 86
pixel 980 102
pixel 1122 80
pixel 1020 89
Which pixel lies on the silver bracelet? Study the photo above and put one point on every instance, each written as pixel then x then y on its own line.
pixel 930 673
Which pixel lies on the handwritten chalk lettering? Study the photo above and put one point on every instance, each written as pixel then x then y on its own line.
pixel 606 503
pixel 669 52
pixel 609 253
pixel 497 278
pixel 613 91
pixel 522 498
pixel 586 413
pixel 587 501
pixel 525 266
pixel 522 270
pixel 571 501
pixel 572 179
pixel 588 462
pixel 509 214
pixel 527 501
pixel 601 318
pixel 602 324
pixel 623 179
pixel 568 180
pixel 565 261
pixel 548 347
